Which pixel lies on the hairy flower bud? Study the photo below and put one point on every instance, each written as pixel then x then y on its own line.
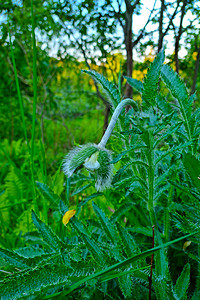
pixel 95 159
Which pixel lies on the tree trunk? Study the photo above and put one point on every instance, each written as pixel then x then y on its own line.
pixel 128 35
pixel 178 37
pixel 160 29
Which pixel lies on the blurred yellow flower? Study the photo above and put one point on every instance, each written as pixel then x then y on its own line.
pixel 68 215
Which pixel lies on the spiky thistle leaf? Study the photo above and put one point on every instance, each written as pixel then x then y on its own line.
pixel 151 80
pixel 182 282
pixel 107 226
pixel 14 259
pixel 110 90
pixel 192 166
pixel 134 83
pixel 48 235
pixel 48 193
pixel 175 85
pixel 27 283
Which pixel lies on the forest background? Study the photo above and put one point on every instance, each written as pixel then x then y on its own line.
pixel 64 107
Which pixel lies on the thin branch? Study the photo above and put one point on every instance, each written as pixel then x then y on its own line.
pixel 140 36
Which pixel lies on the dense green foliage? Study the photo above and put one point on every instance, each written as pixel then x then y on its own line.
pixel 156 183
pixel 135 191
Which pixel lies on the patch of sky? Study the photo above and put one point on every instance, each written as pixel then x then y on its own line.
pixel 17 2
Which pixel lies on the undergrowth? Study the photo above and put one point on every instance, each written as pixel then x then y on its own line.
pixel 149 177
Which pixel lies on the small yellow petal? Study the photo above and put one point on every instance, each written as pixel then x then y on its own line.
pixel 186 244
pixel 68 215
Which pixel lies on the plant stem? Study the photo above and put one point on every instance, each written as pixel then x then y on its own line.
pixel 114 119
pixel 34 106
pixel 151 273
pixel 150 156
pixel 23 122
pixel 167 214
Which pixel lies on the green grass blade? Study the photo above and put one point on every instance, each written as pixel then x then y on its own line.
pixel 119 274
pixel 18 92
pixel 34 108
pixel 34 82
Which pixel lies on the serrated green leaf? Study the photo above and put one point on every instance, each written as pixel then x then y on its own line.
pixel 123 263
pixel 175 85
pixel 110 90
pixel 119 156
pixel 129 245
pixel 85 201
pixel 125 284
pixel 150 85
pixel 192 166
pixel 48 193
pixel 14 259
pixel 63 207
pixel 182 282
pixel 27 283
pixel 107 226
pixel 48 235
pixel 82 188
pixel 172 150
pixel 134 83
pixel 167 133
pixel 121 211
pixel 86 237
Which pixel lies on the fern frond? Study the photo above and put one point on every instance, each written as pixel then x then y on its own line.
pixel 14 184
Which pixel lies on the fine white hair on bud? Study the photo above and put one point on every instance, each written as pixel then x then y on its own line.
pixel 76 157
pixel 95 159
pixel 104 173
